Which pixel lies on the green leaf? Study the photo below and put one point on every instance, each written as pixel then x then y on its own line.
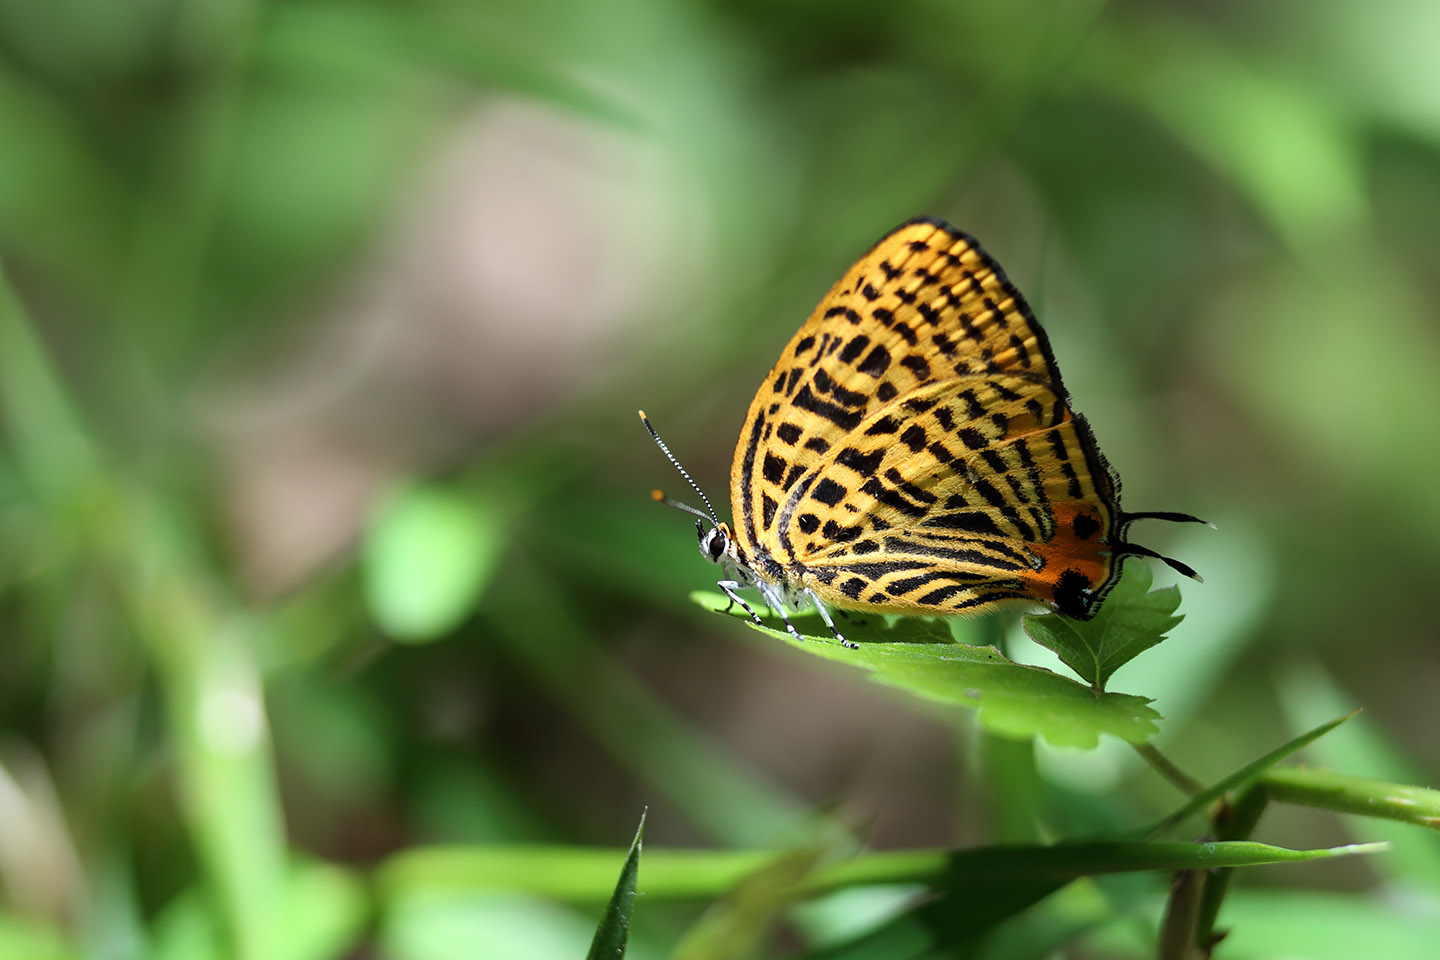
pixel 1130 621
pixel 982 887
pixel 614 929
pixel 427 556
pixel 1013 700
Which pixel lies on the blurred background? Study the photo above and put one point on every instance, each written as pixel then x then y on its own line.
pixel 324 516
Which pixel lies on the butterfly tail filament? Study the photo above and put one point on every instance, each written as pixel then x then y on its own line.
pixel 1135 550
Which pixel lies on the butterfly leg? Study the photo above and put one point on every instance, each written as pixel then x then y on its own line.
pixel 730 586
pixel 825 615
pixel 772 600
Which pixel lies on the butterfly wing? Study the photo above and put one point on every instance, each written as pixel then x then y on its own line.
pixel 914 450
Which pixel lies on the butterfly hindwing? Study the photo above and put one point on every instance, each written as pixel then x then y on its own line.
pixel 921 380
pixel 963 513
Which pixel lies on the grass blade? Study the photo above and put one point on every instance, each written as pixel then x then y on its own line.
pixel 614 929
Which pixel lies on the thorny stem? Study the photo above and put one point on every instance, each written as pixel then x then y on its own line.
pixel 1182 914
pixel 1235 822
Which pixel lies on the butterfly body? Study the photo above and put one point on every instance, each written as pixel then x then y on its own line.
pixel 914 451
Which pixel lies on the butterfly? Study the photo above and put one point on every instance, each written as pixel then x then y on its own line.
pixel 914 451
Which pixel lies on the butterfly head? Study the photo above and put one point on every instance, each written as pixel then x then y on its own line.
pixel 715 543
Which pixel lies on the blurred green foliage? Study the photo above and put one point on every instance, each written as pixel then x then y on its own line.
pixel 323 527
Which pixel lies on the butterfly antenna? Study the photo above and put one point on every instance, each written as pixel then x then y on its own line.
pixel 659 497
pixel 688 479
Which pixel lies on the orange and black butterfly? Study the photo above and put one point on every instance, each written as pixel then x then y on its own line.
pixel 915 452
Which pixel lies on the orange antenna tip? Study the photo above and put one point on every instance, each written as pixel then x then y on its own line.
pixel 642 415
pixel 657 495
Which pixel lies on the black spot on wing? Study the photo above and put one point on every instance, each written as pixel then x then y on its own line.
pixel 972 438
pixel 747 472
pixel 828 492
pixel 968 521
pixel 1073 595
pixel 914 437
pixel 916 365
pixel 844 419
pixel 996 315
pixel 864 464
pixel 899 546
pixel 892 498
pixel 1020 352
pixel 854 348
pixel 908 488
pixel 850 398
pixel 876 363
pixel 885 425
pixel 1072 486
pixel 994 461
pixel 874 569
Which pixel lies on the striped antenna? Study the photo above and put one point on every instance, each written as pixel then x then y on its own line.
pixel 688 479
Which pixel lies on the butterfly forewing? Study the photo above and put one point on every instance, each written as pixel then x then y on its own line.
pixel 913 450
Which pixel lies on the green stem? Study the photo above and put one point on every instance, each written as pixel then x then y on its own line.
pixel 1164 766
pixel 588 873
pixel 1346 794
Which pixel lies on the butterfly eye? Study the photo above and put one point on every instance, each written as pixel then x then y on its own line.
pixel 717 544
